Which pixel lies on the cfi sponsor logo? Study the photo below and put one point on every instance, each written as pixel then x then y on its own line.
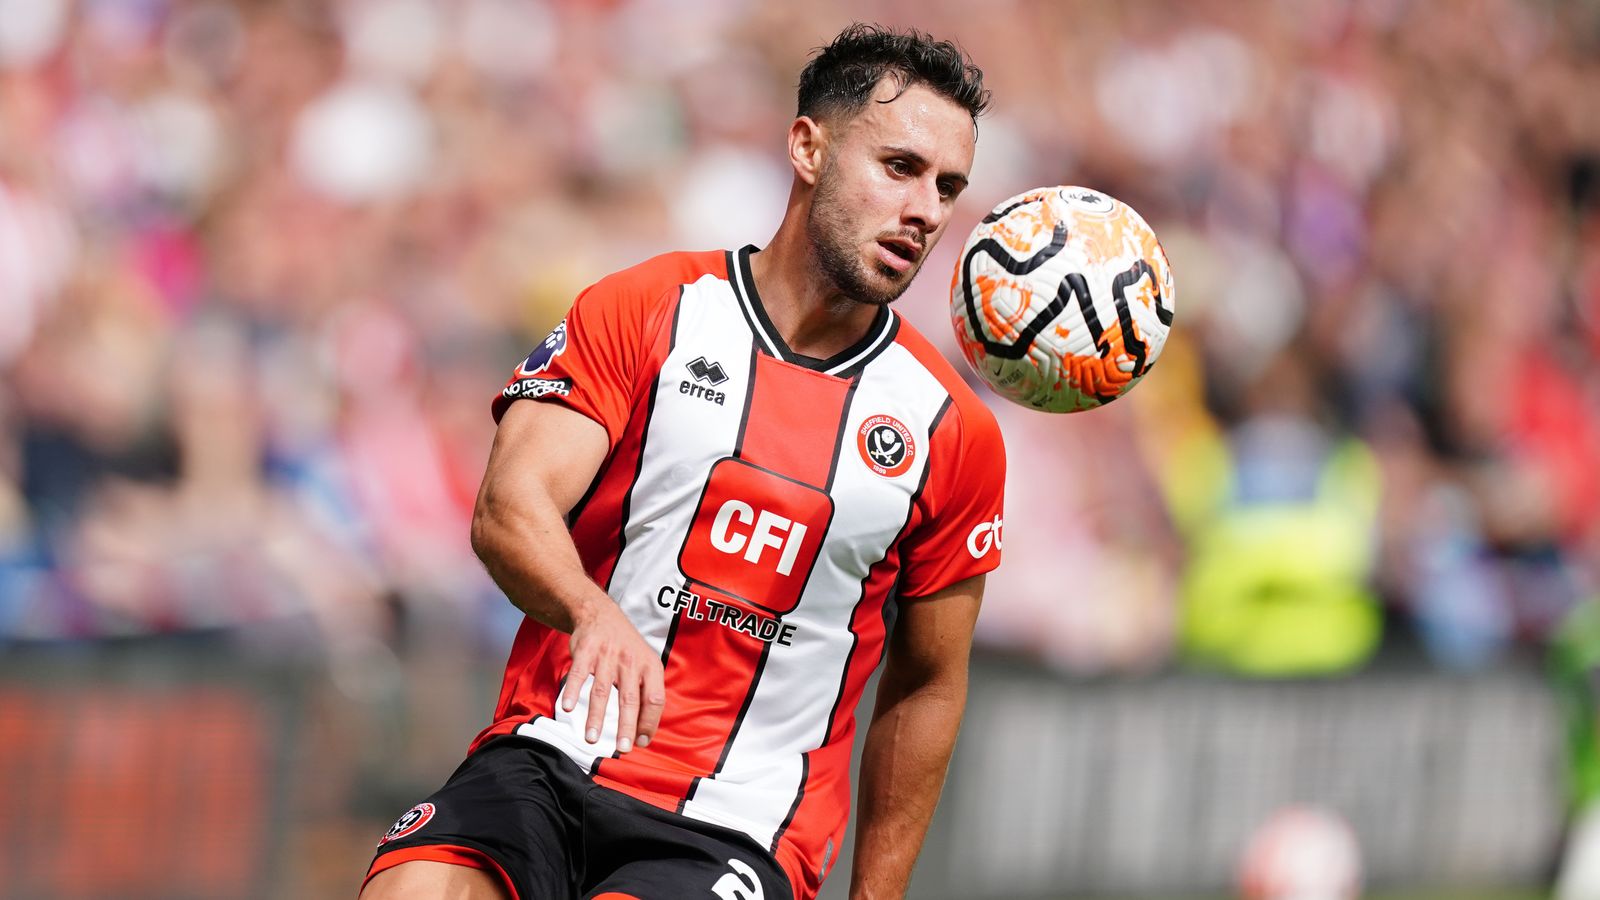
pixel 409 824
pixel 530 388
pixel 550 348
pixel 886 445
pixel 984 538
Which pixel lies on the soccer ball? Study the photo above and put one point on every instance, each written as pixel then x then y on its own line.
pixel 1062 299
pixel 1301 853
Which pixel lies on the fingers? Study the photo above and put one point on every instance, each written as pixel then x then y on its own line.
pixel 613 662
pixel 640 699
pixel 605 678
pixel 655 700
pixel 627 712
pixel 582 668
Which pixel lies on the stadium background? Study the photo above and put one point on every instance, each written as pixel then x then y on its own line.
pixel 262 264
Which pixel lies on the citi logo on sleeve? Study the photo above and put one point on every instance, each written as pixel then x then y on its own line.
pixel 984 538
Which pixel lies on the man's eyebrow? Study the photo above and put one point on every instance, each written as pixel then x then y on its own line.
pixel 921 162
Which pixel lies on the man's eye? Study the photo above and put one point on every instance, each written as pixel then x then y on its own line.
pixel 899 167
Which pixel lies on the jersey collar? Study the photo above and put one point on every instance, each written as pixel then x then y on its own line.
pixel 880 334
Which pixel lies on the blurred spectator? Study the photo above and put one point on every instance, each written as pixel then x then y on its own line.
pixel 261 265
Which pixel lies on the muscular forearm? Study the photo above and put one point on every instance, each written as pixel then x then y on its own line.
pixel 903 767
pixel 527 550
pixel 519 530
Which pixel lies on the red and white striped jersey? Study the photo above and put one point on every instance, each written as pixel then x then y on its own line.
pixel 756 518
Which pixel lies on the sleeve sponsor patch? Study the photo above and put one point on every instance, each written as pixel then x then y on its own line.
pixel 533 388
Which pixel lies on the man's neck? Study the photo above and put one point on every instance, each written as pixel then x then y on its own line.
pixel 808 311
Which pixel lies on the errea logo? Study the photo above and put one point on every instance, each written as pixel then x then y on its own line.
pixel 707 375
pixel 984 538
pixel 710 373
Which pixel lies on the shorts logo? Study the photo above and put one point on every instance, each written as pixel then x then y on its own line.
pixel 984 538
pixel 740 884
pixel 886 446
pixel 409 824
pixel 544 354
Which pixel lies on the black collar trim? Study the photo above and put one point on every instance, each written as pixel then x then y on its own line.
pixel 880 334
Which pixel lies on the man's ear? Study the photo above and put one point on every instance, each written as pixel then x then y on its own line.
pixel 808 140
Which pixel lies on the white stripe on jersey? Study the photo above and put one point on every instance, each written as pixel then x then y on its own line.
pixel 801 683
pixel 883 335
pixel 737 283
pixel 668 487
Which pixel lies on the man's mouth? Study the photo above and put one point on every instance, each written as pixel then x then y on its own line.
pixel 898 254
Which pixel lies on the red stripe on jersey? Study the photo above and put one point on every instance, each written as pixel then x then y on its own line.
pixel 708 677
pixel 793 424
pixel 597 535
pixel 540 656
pixel 822 806
pixel 823 803
pixel 791 431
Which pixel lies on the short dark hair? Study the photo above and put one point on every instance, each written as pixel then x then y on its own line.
pixel 840 77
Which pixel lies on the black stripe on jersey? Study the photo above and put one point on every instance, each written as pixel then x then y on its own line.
pixel 761 664
pixel 672 635
pixel 788 818
pixel 588 493
pixel 880 334
pixel 746 306
pixel 749 397
pixel 838 440
pixel 870 347
pixel 855 639
pixel 738 721
pixel 644 437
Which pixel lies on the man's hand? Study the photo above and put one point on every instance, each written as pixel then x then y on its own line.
pixel 544 458
pixel 605 645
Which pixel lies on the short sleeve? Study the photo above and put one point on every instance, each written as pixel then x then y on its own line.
pixel 962 504
pixel 592 361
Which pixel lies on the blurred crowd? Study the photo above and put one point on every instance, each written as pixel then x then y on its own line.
pixel 263 263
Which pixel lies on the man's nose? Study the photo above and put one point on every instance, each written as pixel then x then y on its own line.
pixel 924 209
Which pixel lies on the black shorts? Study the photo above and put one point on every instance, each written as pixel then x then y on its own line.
pixel 535 820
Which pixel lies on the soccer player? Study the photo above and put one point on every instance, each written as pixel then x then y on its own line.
pixel 744 483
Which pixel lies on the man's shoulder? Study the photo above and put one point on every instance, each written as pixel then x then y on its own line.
pixel 649 280
pixel 974 418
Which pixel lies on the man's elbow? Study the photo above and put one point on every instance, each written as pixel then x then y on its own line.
pixel 486 532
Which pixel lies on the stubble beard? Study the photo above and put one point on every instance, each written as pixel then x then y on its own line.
pixel 827 228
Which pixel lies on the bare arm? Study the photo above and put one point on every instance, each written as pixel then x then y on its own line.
pixel 921 697
pixel 543 459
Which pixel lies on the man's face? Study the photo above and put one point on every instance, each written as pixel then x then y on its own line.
pixel 888 183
